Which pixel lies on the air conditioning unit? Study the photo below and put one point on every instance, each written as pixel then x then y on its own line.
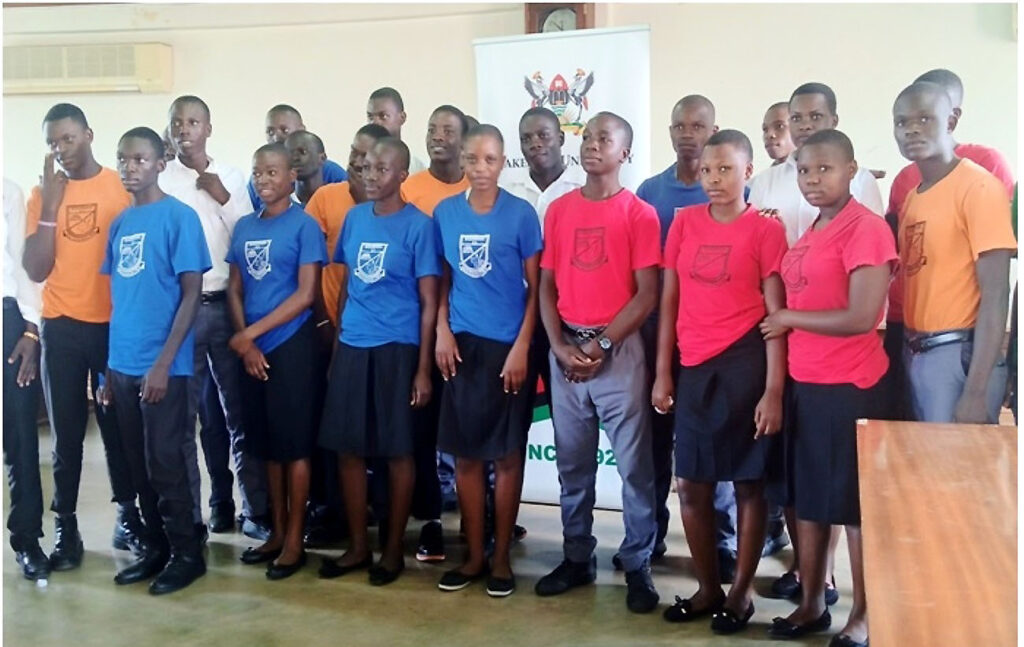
pixel 74 69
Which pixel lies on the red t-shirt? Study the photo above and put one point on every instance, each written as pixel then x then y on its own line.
pixel 817 275
pixel 720 270
pixel 593 248
pixel 907 180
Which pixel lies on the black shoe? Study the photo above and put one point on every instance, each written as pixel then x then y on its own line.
pixel 726 566
pixel 773 543
pixel 786 630
pixel 202 533
pixel 67 547
pixel 831 593
pixel 331 569
pixel 683 611
pixel 518 533
pixel 222 518
pixel 379 575
pixel 255 556
pixel 431 546
pixel 786 586
pixel 567 575
pixel 641 596
pixel 152 560
pixel 726 621
pixel 659 551
pixel 180 571
pixel 501 587
pixel 256 527
pixel 129 529
pixel 455 580
pixel 32 561
pixel 842 640
pixel 277 571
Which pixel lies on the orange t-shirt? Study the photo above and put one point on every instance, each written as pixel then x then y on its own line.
pixel 75 288
pixel 329 206
pixel 425 191
pixel 942 233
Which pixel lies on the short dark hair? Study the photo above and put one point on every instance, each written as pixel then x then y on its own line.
pixel 779 104
pixel 485 130
pixel 274 148
pixel 376 131
pixel 284 107
pixel 926 88
pixel 698 100
pixel 541 111
pixel 452 110
pixel 305 133
pixel 66 111
pixel 150 135
pixel 622 124
pixel 831 137
pixel 389 93
pixel 397 144
pixel 948 80
pixel 817 88
pixel 733 138
pixel 191 98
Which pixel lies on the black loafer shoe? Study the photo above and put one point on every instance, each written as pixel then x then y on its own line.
pixel 567 575
pixel 32 561
pixel 831 593
pixel 726 621
pixel 842 640
pixel 786 586
pixel 786 630
pixel 380 576
pixel 277 571
pixel 331 569
pixel 147 566
pixel 641 596
pixel 454 580
pixel 180 571
pixel 255 556
pixel 222 518
pixel 501 587
pixel 683 611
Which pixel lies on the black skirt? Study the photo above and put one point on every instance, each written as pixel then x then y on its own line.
pixel 714 419
pixel 814 463
pixel 367 412
pixel 280 414
pixel 478 419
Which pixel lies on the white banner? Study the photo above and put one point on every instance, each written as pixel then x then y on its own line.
pixel 576 74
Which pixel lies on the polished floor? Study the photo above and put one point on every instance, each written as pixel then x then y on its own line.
pixel 234 604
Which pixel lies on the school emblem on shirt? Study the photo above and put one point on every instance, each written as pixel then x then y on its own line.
pixel 129 262
pixel 474 254
pixel 913 243
pixel 370 262
pixel 567 100
pixel 81 222
pixel 588 252
pixel 711 264
pixel 793 269
pixel 257 258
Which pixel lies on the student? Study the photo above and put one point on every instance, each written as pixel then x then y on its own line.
pixel 380 373
pixel 491 243
pixel 836 277
pixel 169 151
pixel 21 394
pixel 275 258
pixel 307 158
pixel 155 257
pixel 955 272
pixel 217 193
pixel 424 190
pixel 906 180
pixel 68 217
pixel 386 108
pixel 283 120
pixel 812 107
pixel 775 133
pixel 724 257
pixel 599 281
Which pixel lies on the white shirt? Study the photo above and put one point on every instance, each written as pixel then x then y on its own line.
pixel 573 177
pixel 16 281
pixel 218 220
pixel 776 188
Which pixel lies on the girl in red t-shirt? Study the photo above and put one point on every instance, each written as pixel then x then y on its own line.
pixel 836 277
pixel 721 278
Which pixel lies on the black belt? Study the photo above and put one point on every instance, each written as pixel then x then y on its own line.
pixel 213 297
pixel 919 343
pixel 583 334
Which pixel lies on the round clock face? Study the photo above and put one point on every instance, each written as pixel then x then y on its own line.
pixel 563 19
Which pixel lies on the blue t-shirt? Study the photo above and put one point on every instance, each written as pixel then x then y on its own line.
pixel 268 253
pixel 386 257
pixel 666 194
pixel 486 254
pixel 331 172
pixel 147 249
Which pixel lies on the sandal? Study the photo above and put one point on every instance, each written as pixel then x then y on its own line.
pixel 683 611
pixel 726 621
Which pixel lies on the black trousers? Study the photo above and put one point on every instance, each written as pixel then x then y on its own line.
pixel 21 441
pixel 662 431
pixel 74 353
pixel 426 497
pixel 153 436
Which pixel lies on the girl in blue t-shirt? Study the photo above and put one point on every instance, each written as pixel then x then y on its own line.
pixel 275 258
pixel 380 372
pixel 491 243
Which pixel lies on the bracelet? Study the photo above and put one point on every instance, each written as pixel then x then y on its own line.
pixel 31 335
pixel 323 323
pixel 47 223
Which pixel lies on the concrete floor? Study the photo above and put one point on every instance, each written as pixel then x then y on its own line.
pixel 234 604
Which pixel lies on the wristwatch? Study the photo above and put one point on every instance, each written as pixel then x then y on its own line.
pixel 604 343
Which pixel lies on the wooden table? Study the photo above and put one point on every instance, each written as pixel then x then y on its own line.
pixel 939 513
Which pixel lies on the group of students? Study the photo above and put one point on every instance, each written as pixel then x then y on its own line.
pixel 367 323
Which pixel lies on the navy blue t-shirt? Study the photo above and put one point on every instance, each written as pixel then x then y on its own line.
pixel 147 249
pixel 268 252
pixel 332 173
pixel 666 194
pixel 486 254
pixel 386 257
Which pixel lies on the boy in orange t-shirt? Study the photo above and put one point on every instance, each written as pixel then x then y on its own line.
pixel 956 240
pixel 68 217
pixel 444 177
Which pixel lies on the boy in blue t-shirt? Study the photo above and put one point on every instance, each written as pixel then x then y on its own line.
pixel 156 256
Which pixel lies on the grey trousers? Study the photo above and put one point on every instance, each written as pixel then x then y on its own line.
pixel 617 398
pixel 936 379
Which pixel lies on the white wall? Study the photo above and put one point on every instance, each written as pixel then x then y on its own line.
pixel 325 59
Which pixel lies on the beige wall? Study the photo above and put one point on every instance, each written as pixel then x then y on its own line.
pixel 325 59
